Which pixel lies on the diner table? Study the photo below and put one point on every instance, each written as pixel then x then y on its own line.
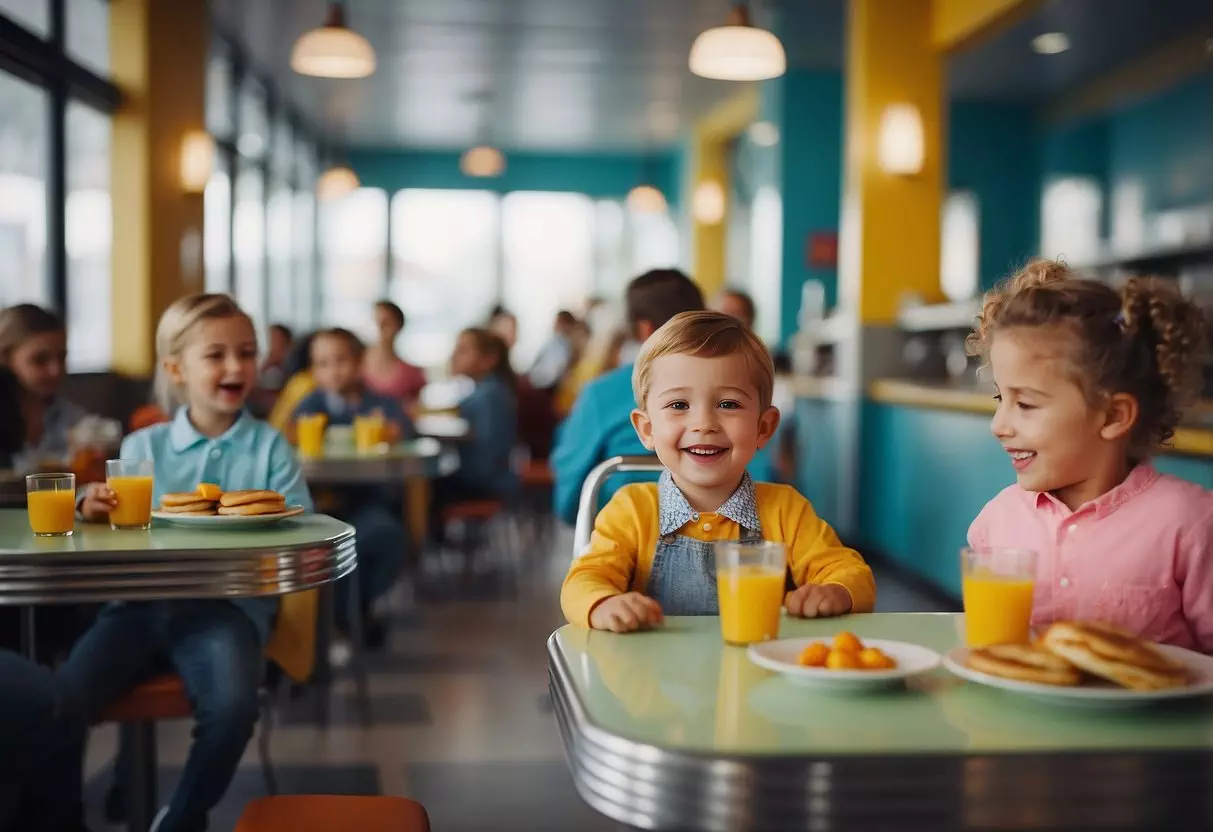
pixel 672 729
pixel 343 464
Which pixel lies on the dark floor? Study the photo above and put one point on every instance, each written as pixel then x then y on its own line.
pixel 462 720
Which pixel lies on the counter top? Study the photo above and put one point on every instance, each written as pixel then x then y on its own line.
pixel 1193 439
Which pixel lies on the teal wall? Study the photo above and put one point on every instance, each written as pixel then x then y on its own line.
pixel 599 175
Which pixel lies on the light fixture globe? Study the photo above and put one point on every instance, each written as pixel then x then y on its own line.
pixel 738 51
pixel 645 199
pixel 336 182
pixel 333 50
pixel 482 162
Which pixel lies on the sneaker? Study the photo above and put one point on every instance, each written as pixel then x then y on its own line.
pixel 159 819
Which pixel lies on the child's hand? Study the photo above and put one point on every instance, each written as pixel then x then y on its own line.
pixel 98 502
pixel 392 433
pixel 627 612
pixel 818 601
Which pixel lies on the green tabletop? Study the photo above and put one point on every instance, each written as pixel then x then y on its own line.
pixel 681 689
pixel 303 531
pixel 347 452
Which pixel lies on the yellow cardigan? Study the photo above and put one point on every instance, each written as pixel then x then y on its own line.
pixel 620 553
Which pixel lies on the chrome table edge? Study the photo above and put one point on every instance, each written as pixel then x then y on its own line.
pixel 652 787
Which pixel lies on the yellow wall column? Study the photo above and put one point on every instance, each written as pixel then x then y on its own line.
pixel 890 234
pixel 957 23
pixel 158 59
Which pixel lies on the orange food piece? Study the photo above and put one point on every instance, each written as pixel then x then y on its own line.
pixel 842 660
pixel 209 491
pixel 872 658
pixel 848 642
pixel 814 655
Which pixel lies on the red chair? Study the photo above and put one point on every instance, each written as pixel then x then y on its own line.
pixel 333 813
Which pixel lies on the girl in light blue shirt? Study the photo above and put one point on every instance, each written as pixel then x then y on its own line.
pixel 207 351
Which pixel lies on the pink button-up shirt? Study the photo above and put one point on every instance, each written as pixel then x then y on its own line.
pixel 1139 557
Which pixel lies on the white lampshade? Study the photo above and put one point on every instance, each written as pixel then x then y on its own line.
pixel 764 134
pixel 482 161
pixel 738 51
pixel 645 199
pixel 197 159
pixel 708 203
pixel 333 50
pixel 900 147
pixel 336 182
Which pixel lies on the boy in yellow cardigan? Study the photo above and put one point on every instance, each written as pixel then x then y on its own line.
pixel 703 386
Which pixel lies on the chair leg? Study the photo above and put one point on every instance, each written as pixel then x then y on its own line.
pixel 140 775
pixel 263 744
pixel 357 660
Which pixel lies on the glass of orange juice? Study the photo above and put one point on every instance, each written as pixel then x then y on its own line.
pixel 309 432
pixel 997 585
pixel 51 504
pixel 750 584
pixel 131 482
pixel 368 432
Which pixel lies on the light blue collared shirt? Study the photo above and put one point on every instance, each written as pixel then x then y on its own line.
pixel 250 454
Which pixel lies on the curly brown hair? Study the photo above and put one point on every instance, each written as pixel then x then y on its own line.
pixel 1146 339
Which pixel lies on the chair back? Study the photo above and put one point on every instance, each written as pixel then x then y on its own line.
pixel 587 506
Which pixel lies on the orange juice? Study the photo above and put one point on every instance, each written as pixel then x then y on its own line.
pixel 750 600
pixel 134 509
pixel 309 431
pixel 998 609
pixel 368 432
pixel 51 512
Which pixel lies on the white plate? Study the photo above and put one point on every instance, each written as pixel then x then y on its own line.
pixel 781 656
pixel 1097 694
pixel 226 521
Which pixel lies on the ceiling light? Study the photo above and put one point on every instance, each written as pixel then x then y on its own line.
pixel 197 160
pixel 708 203
pixel 1050 43
pixel 333 50
pixel 336 182
pixel 645 199
pixel 901 144
pixel 482 162
pixel 763 134
pixel 738 51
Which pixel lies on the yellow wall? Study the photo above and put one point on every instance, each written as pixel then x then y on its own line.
pixel 158 58
pixel 957 23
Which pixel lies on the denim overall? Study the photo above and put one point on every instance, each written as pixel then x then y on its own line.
pixel 683 575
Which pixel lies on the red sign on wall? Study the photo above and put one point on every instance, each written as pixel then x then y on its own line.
pixel 821 251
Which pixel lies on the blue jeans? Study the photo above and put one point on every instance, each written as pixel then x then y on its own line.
pixel 41 750
pixel 214 647
pixel 382 548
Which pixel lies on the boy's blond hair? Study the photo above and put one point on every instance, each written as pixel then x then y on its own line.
pixel 705 335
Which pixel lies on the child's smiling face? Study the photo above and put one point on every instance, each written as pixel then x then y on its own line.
pixel 218 366
pixel 704 420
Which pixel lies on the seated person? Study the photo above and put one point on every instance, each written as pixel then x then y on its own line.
pixel 375 513
pixel 703 386
pixel 299 383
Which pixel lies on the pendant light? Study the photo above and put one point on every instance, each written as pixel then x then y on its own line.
pixel 482 161
pixel 738 51
pixel 334 50
pixel 336 182
pixel 646 198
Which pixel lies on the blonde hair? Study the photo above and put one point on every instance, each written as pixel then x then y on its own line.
pixel 1146 339
pixel 705 335
pixel 172 336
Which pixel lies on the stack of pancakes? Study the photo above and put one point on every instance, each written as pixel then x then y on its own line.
pixel 252 502
pixel 191 503
pixel 1070 652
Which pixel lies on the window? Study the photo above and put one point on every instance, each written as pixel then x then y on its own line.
pixel 89 237
pixel 445 257
pixel 254 138
pixel 766 262
pixel 653 240
pixel 303 247
pixel 248 242
pixel 548 262
pixel 960 251
pixel 220 107
pixel 353 248
pixel 1070 218
pixel 217 228
pixel 279 219
pixel 34 15
pixel 24 114
pixel 87 33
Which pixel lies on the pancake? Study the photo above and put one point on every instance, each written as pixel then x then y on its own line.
pixel 1110 653
pixel 1024 663
pixel 210 512
pixel 263 507
pixel 240 498
pixel 196 507
pixel 183 498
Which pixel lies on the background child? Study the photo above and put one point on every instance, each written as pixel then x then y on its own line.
pixel 375 513
pixel 1090 381
pixel 33 345
pixel 703 385
pixel 491 410
pixel 208 365
pixel 385 372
